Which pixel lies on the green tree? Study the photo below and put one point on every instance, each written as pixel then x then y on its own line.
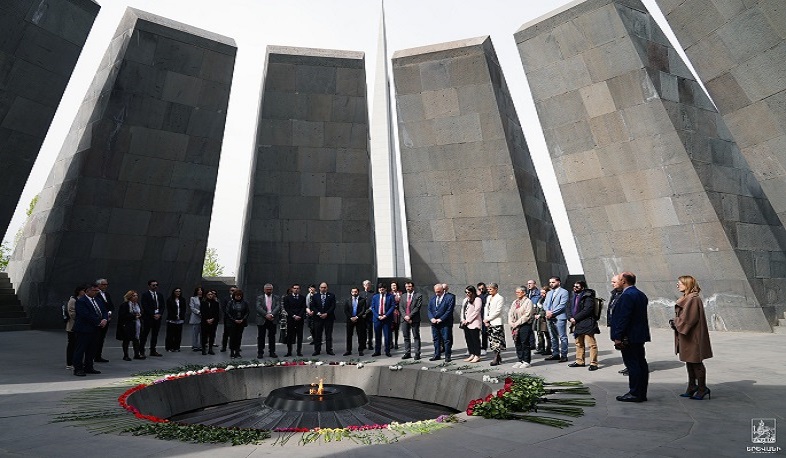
pixel 5 255
pixel 211 267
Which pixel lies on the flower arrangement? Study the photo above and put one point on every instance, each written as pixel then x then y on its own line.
pixel 522 394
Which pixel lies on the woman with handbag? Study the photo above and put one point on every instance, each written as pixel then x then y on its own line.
pixel 471 322
pixel 236 317
pixel 692 337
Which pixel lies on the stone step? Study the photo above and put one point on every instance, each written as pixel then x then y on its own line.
pixel 12 314
pixel 15 320
pixel 14 327
pixel 11 301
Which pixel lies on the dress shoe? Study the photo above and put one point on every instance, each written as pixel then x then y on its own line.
pixel 196 349
pixel 347 353
pixel 360 353
pixel 576 365
pixel 699 396
pixel 92 371
pixel 101 360
pixel 316 353
pixel 388 354
pixel 624 371
pixel 126 358
pixel 375 354
pixel 273 355
pixel 260 356
pixel 330 352
pixel 300 354
pixel 155 353
pixel 434 358
pixel 211 352
pixel 223 349
pixel 395 346
pixel 417 355
pixel 563 360
pixel 630 398
pixel 552 358
pixel 79 373
pixel 593 367
pixel 447 359
pixel 406 356
pixel 204 352
pixel 287 355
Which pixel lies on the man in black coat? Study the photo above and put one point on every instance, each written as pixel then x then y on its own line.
pixel 295 306
pixel 630 329
pixel 581 315
pixel 108 307
pixel 356 309
pixel 322 311
pixel 152 310
pixel 87 323
pixel 410 305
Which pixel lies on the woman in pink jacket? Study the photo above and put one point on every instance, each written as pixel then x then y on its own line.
pixel 471 322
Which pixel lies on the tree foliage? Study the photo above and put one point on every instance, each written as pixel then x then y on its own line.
pixel 5 255
pixel 211 267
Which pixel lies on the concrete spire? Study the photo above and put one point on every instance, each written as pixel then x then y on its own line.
pixel 392 257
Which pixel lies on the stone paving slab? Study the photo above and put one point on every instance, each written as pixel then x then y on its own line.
pixel 747 378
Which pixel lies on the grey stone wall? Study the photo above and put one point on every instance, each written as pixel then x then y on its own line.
pixel 40 43
pixel 474 206
pixel 738 50
pixel 309 216
pixel 131 193
pixel 652 180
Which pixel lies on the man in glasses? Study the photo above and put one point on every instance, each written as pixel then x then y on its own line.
pixel 555 306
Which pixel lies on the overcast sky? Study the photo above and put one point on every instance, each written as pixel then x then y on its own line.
pixel 332 24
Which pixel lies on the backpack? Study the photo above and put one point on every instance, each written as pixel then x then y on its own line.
pixel 598 307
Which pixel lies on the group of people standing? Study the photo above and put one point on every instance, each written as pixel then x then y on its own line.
pixel 539 319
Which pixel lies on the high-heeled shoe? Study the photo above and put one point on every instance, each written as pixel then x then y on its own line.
pixel 689 392
pixel 700 396
pixel 474 359
pixel 497 360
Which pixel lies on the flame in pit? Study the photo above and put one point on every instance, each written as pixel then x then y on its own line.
pixel 319 390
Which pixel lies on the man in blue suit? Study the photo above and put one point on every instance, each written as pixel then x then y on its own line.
pixel 90 319
pixel 440 313
pixel 382 307
pixel 630 329
pixel 555 306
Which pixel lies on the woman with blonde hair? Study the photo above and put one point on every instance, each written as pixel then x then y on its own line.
pixel 692 337
pixel 129 326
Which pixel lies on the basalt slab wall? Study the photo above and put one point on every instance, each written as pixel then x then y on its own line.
pixel 652 180
pixel 475 209
pixel 309 217
pixel 40 43
pixel 738 49
pixel 131 193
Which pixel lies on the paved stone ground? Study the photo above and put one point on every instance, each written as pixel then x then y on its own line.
pixel 747 379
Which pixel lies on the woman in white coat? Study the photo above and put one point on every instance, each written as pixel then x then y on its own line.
pixel 492 317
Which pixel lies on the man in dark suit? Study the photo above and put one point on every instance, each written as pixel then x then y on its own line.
pixel 89 320
pixel 268 310
pixel 295 306
pixel 152 309
pixel 356 309
pixel 322 311
pixel 108 307
pixel 440 313
pixel 630 329
pixel 382 307
pixel 223 317
pixel 410 305
pixel 367 293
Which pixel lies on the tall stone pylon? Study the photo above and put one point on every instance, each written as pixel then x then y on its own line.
pixel 738 49
pixel 131 193
pixel 475 209
pixel 652 180
pixel 40 43
pixel 309 216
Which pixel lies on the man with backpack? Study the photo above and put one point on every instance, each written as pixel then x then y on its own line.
pixel 582 315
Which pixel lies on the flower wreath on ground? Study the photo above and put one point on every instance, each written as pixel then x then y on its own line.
pixel 524 395
pixel 110 419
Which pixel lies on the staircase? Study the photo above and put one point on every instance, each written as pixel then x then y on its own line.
pixel 12 315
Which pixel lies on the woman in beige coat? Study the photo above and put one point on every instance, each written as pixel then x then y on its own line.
pixel 520 320
pixel 691 337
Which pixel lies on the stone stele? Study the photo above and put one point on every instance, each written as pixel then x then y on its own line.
pixel 131 193
pixel 652 180
pixel 475 209
pixel 39 45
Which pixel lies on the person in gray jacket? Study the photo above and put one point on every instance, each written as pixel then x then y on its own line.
pixel 268 311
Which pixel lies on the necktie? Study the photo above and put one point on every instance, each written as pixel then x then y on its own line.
pixel 269 304
pixel 354 306
pixel 409 302
pixel 95 306
pixel 323 300
pixel 439 300
pixel 382 305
